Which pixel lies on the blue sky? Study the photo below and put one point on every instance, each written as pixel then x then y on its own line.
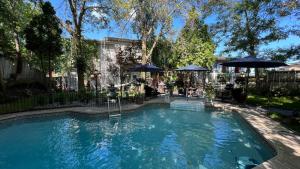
pixel 89 33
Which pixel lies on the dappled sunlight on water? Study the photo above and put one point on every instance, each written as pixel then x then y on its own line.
pixel 153 137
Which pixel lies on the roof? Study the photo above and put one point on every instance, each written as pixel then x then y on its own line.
pixel 192 68
pixel 113 40
pixel 253 62
pixel 292 67
pixel 222 59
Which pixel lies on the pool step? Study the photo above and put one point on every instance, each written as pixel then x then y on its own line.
pixel 192 105
pixel 246 162
pixel 115 119
pixel 118 115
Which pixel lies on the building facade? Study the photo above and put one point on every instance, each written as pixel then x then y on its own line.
pixel 108 65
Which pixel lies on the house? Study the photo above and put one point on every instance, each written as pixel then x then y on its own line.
pixel 108 65
pixel 105 65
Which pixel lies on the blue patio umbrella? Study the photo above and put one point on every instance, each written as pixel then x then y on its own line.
pixel 145 68
pixel 253 62
pixel 191 68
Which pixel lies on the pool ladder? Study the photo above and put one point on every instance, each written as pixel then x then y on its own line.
pixel 111 114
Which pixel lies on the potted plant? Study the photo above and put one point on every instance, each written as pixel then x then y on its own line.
pixel 239 94
pixel 139 98
pixel 209 94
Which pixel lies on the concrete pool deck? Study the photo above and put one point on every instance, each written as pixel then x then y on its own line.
pixel 284 141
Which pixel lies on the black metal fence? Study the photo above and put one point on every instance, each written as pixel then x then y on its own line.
pixel 65 99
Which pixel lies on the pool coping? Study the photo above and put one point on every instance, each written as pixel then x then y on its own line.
pixel 102 111
pixel 285 143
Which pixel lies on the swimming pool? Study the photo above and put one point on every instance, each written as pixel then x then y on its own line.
pixel 153 136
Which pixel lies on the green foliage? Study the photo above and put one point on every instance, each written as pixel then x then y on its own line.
pixel 162 52
pixel 148 19
pixel 283 54
pixel 14 16
pixel 65 62
pixel 194 45
pixel 283 102
pixel 246 25
pixel 83 12
pixel 90 52
pixel 210 91
pixel 275 116
pixel 6 45
pixel 43 36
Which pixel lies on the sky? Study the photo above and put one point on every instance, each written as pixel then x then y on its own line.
pixel 90 33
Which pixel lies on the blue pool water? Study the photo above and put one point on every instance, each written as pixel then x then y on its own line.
pixel 154 136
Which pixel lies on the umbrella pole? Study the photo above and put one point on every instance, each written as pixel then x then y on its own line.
pixel 271 83
pixel 247 80
pixel 204 78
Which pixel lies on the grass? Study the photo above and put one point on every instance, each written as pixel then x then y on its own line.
pixel 275 116
pixel 292 123
pixel 283 102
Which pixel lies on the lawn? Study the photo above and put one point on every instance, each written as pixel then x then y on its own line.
pixel 284 102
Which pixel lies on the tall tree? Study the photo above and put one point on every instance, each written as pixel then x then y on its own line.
pixel 43 36
pixel 162 52
pixel 284 54
pixel 244 26
pixel 248 24
pixel 194 44
pixel 126 59
pixel 14 17
pixel 84 12
pixel 147 17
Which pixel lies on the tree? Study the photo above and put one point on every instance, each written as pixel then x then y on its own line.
pixel 43 37
pixel 283 54
pixel 248 24
pixel 126 58
pixel 194 44
pixel 162 52
pixel 14 17
pixel 83 12
pixel 90 50
pixel 147 17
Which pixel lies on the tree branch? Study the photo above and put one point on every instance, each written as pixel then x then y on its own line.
pixel 74 11
pixel 81 14
pixel 66 26
pixel 155 42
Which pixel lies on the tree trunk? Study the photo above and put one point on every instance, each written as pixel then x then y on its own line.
pixel 49 73
pixel 80 80
pixel 144 61
pixel 79 58
pixel 144 50
pixel 19 63
pixel 1 83
pixel 43 70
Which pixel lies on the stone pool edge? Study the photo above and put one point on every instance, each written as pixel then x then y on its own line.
pixel 284 141
pixel 78 109
pixel 286 144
